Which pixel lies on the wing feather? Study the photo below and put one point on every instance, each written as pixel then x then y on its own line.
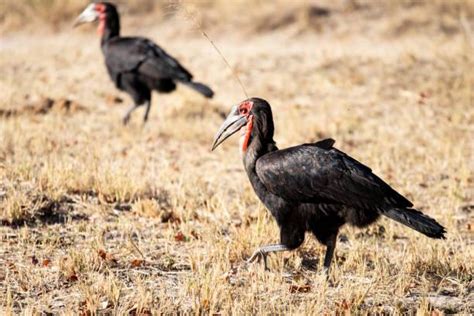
pixel 136 54
pixel 320 173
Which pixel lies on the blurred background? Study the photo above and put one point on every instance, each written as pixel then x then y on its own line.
pixel 256 16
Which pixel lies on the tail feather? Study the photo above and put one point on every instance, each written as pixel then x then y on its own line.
pixel 417 221
pixel 201 88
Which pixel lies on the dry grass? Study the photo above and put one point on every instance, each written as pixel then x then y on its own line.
pixel 98 218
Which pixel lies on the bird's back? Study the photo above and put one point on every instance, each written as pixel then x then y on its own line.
pixel 321 173
pixel 143 57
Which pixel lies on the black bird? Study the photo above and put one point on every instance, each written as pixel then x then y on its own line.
pixel 313 187
pixel 135 64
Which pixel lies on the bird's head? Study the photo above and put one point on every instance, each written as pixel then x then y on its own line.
pixel 102 11
pixel 255 115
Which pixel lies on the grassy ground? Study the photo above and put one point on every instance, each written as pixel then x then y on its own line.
pixel 101 218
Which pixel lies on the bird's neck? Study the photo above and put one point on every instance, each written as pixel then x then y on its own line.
pixel 258 141
pixel 256 149
pixel 109 27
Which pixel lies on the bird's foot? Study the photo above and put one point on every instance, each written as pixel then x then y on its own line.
pixel 262 253
pixel 325 273
pixel 325 276
pixel 145 118
pixel 258 255
pixel 147 112
pixel 126 119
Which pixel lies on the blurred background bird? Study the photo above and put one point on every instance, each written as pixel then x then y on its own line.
pixel 135 64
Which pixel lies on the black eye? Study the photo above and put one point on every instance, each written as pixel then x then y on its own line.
pixel 243 111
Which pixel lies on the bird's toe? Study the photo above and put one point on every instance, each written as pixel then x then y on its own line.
pixel 256 256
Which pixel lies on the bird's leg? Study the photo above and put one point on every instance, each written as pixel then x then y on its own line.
pixel 126 118
pixel 147 111
pixel 331 245
pixel 263 251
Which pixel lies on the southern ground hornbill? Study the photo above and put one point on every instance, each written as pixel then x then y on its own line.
pixel 313 187
pixel 135 64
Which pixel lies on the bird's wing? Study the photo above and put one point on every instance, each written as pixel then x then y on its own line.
pixel 320 173
pixel 136 54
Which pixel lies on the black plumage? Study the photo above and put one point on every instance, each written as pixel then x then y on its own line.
pixel 135 64
pixel 314 187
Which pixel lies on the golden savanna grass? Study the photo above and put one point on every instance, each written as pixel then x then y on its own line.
pixel 97 218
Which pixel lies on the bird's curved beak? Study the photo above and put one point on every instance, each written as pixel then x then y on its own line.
pixel 232 124
pixel 88 15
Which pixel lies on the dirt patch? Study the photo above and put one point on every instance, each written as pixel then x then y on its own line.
pixel 44 105
pixel 42 209
pixel 112 100
pixel 308 17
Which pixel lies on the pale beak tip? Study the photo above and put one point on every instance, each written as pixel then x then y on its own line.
pixel 76 23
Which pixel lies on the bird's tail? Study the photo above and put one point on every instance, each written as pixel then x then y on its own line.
pixel 201 88
pixel 417 221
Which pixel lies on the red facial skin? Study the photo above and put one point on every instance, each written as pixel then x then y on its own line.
pixel 247 133
pixel 99 7
pixel 244 108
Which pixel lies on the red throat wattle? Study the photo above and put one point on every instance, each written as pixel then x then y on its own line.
pixel 245 144
pixel 102 16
